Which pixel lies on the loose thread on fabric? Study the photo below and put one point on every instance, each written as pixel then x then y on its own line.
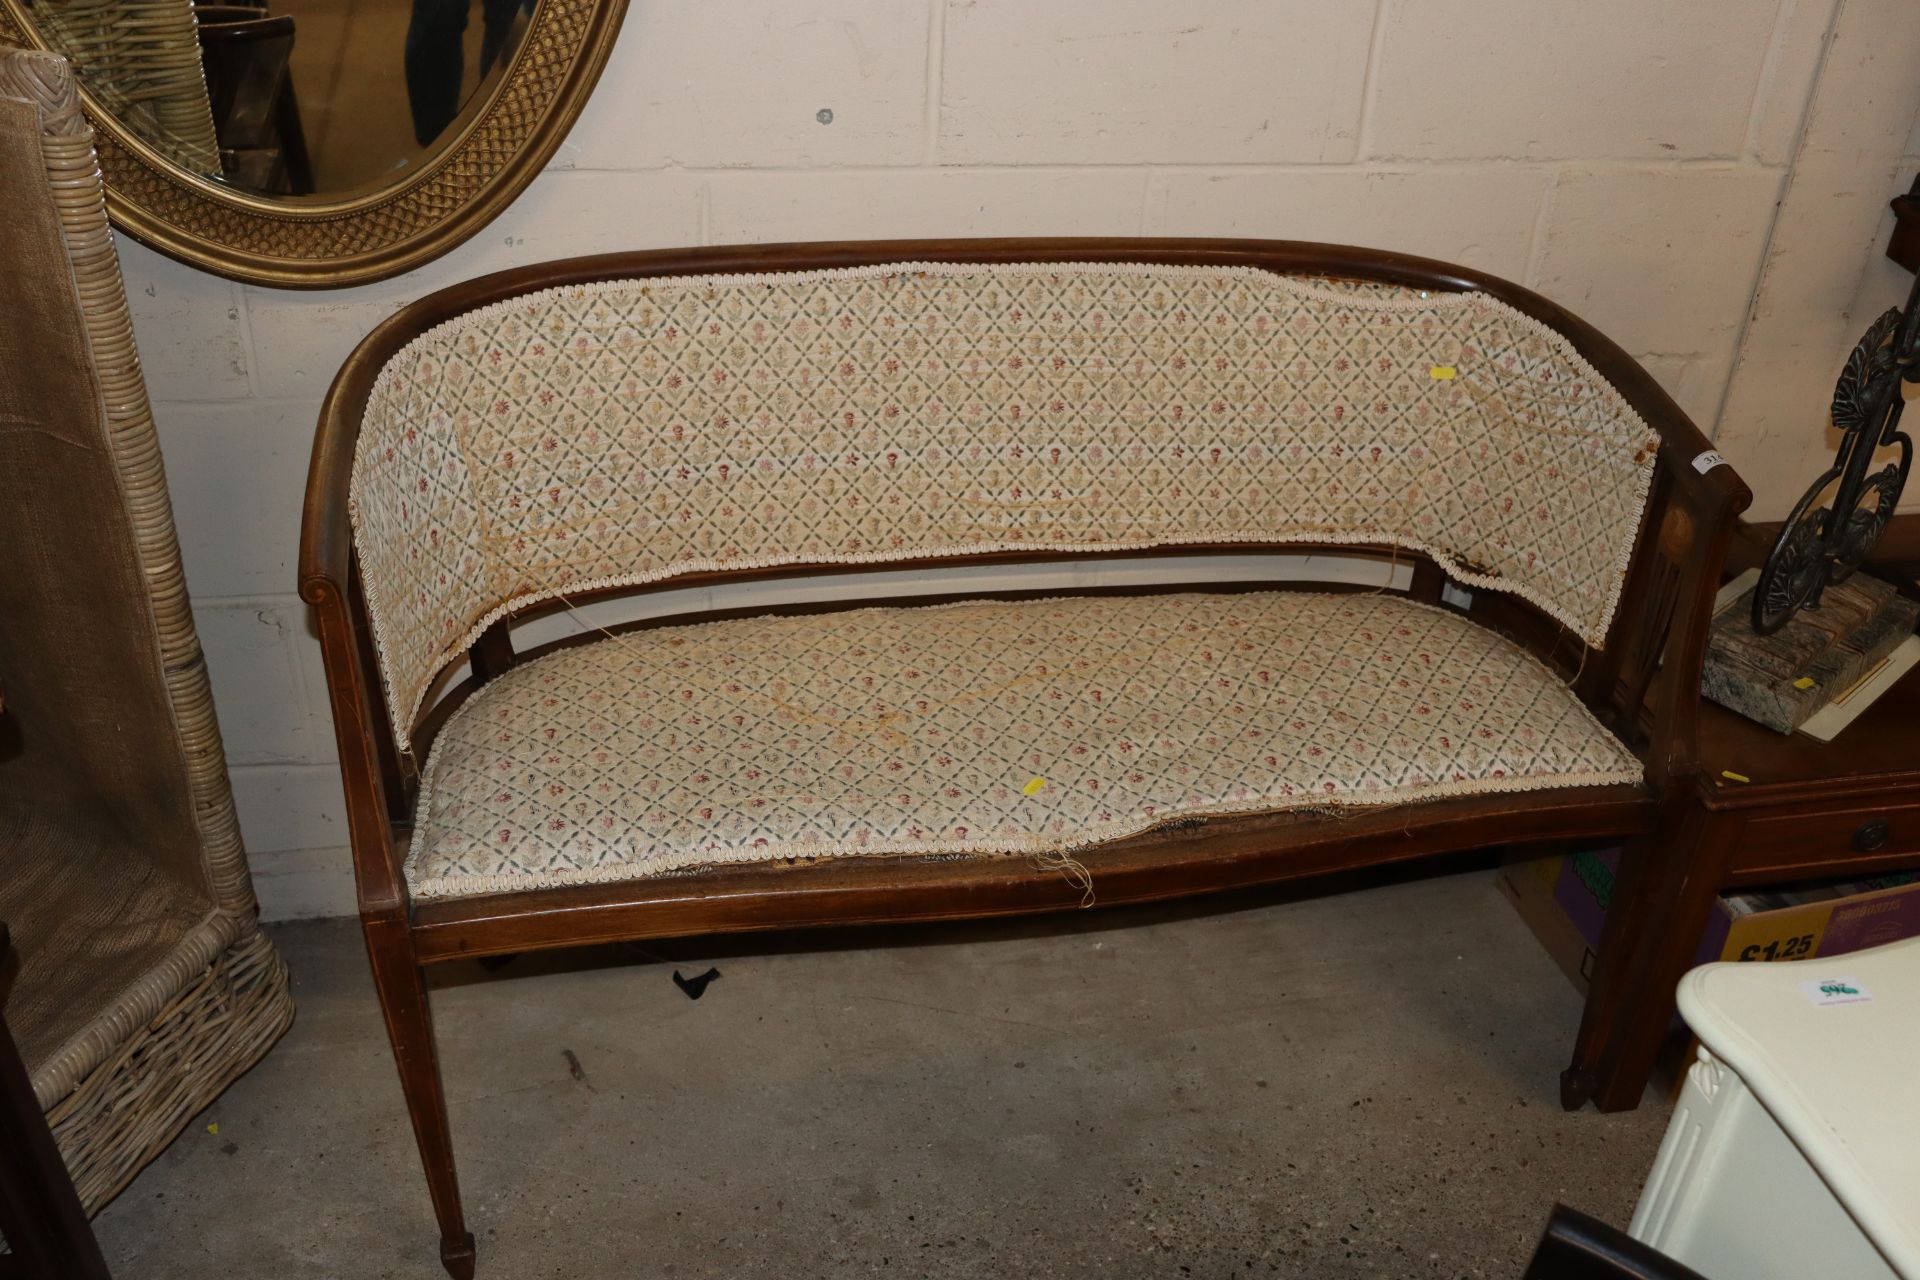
pixel 1393 567
pixel 586 623
pixel 1586 651
pixel 1071 869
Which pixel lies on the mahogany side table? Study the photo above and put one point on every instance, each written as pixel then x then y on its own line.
pixel 1806 810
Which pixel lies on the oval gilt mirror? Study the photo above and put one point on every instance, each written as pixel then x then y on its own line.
pixel 314 143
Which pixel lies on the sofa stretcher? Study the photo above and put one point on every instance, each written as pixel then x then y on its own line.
pixel 605 427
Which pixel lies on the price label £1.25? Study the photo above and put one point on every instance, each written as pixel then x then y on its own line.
pixel 1780 949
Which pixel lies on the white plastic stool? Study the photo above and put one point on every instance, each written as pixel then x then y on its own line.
pixel 1794 1150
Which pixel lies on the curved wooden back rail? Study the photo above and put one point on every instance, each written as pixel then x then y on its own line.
pixel 1642 682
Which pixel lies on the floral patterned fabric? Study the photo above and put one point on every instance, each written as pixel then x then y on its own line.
pixel 988 727
pixel 627 432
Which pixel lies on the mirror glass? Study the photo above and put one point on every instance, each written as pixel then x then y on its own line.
pixel 315 144
pixel 309 100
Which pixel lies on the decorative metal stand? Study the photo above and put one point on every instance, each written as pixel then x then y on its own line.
pixel 1822 545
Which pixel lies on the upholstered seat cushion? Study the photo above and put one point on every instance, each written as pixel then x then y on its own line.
pixel 987 727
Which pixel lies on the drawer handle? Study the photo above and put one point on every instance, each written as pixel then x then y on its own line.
pixel 1871 835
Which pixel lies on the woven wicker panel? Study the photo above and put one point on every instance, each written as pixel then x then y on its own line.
pixel 128 1108
pixel 627 432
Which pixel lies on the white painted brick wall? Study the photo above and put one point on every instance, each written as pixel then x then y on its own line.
pixel 1146 82
pixel 878 204
pixel 235 469
pixel 1477 215
pixel 1623 79
pixel 1665 257
pixel 268 682
pixel 208 356
pixel 1622 157
pixel 702 86
pixel 1826 275
pixel 1663 260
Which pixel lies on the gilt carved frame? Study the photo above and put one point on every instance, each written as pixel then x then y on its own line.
pixel 366 237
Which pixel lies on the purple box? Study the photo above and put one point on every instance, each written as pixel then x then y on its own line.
pixel 1869 922
pixel 1585 890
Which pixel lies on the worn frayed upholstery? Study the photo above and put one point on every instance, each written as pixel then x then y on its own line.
pixel 622 433
pixel 1037 727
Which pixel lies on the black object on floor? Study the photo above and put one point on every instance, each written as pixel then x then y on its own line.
pixel 40 1214
pixel 1576 1247
pixel 695 987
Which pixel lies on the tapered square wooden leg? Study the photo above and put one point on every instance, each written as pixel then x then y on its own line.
pixel 402 987
pixel 1614 986
pixel 1662 900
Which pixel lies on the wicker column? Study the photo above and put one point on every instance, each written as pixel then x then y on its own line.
pixel 145 984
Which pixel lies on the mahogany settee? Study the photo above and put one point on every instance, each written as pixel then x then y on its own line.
pixel 569 432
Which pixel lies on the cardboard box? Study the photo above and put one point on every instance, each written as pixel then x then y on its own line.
pixel 1564 901
pixel 1528 885
pixel 1833 927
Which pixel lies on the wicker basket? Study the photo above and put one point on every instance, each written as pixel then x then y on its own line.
pixel 146 984
pixel 126 1111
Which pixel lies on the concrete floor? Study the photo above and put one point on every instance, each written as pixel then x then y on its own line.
pixel 1349 1084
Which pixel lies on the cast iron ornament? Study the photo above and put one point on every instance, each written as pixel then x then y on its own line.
pixel 1820 545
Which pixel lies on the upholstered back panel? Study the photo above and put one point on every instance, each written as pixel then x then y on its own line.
pixel 625 432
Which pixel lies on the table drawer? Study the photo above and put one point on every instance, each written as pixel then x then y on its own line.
pixel 1877 831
